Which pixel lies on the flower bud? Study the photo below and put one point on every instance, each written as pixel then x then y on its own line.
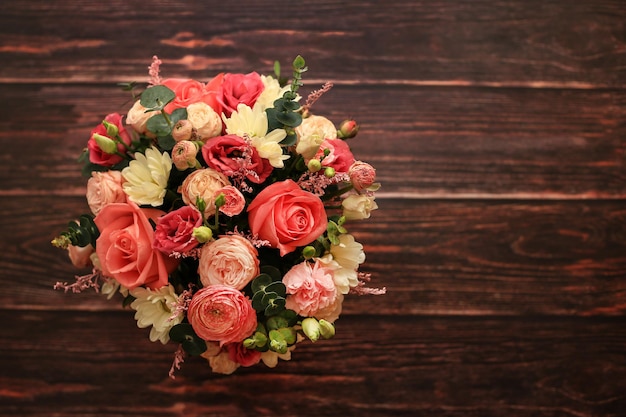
pixel 202 234
pixel 311 328
pixel 220 200
pixel 329 172
pixel 327 329
pixel 362 175
pixel 277 342
pixel 276 322
pixel 314 165
pixel 308 252
pixel 289 334
pixel 182 130
pixel 107 145
pixel 347 129
pixel 184 155
pixel 112 130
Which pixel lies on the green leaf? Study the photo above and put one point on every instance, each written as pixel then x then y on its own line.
pixel 184 334
pixel 158 125
pixel 291 105
pixel 268 297
pixel 156 97
pixel 299 62
pixel 272 271
pixel 166 143
pixel 260 282
pixel 289 315
pixel 278 288
pixel 290 140
pixel 289 119
pixel 257 301
pixel 275 306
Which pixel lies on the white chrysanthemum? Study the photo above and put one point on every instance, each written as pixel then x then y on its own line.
pixel 271 92
pixel 154 308
pixel 110 287
pixel 146 177
pixel 252 123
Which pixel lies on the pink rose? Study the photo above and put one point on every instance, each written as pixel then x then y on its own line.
pixel 174 230
pixel 221 314
pixel 238 353
pixel 362 175
pixel 240 89
pixel 287 216
pixel 104 188
pixel 125 246
pixel 309 289
pixel 98 156
pixel 340 157
pixel 230 260
pixel 232 155
pixel 191 91
pixel 234 201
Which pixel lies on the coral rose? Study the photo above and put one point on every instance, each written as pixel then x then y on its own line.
pixel 230 260
pixel 221 314
pixel 191 91
pixel 203 183
pixel 240 89
pixel 174 231
pixel 287 216
pixel 125 246
pixel 310 289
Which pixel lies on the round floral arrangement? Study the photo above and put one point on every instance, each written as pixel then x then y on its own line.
pixel 219 212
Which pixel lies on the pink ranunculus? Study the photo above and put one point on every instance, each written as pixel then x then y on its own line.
pixel 234 201
pixel 310 289
pixel 203 183
pixel 287 216
pixel 184 155
pixel 240 89
pixel 98 156
pixel 174 231
pixel 340 157
pixel 190 91
pixel 232 155
pixel 238 353
pixel 230 260
pixel 104 188
pixel 362 175
pixel 221 314
pixel 125 246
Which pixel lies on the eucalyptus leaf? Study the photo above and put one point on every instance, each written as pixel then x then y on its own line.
pixel 257 301
pixel 158 125
pixel 156 97
pixel 289 119
pixel 272 271
pixel 278 288
pixel 260 282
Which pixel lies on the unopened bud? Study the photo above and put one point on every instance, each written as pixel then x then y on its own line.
pixel 347 129
pixel 277 342
pixel 107 145
pixel 314 165
pixel 329 172
pixel 202 234
pixel 308 252
pixel 311 328
pixel 327 329
pixel 182 130
pixel 289 334
pixel 112 130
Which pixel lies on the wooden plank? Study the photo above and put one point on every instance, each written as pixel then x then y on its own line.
pixel 425 142
pixel 95 364
pixel 434 257
pixel 495 43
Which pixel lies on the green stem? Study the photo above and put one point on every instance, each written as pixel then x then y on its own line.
pixel 337 192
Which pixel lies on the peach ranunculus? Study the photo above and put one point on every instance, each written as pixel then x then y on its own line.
pixel 104 188
pixel 138 117
pixel 125 246
pixel 190 91
pixel 310 289
pixel 230 260
pixel 287 216
pixel 221 314
pixel 240 89
pixel 203 183
pixel 312 132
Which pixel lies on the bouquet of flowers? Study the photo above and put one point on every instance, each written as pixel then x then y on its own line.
pixel 218 213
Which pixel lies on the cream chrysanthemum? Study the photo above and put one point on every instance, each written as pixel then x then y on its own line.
pixel 252 123
pixel 146 177
pixel 271 92
pixel 154 308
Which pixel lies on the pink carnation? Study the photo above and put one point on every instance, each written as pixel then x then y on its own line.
pixel 174 231
pixel 310 289
pixel 340 157
pixel 221 314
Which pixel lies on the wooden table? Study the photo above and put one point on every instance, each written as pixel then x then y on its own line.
pixel 498 129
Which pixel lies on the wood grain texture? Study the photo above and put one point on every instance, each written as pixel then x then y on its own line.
pixel 516 143
pixel 376 366
pixel 498 43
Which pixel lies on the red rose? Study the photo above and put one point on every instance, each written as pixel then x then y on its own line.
pixel 287 216
pixel 240 89
pixel 174 231
pixel 221 314
pixel 191 91
pixel 125 246
pixel 340 157
pixel 232 155
pixel 98 156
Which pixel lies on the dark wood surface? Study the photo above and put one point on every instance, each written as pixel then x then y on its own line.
pixel 498 130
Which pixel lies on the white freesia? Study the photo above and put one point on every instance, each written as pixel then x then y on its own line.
pixel 154 308
pixel 146 177
pixel 358 206
pixel 252 123
pixel 346 258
